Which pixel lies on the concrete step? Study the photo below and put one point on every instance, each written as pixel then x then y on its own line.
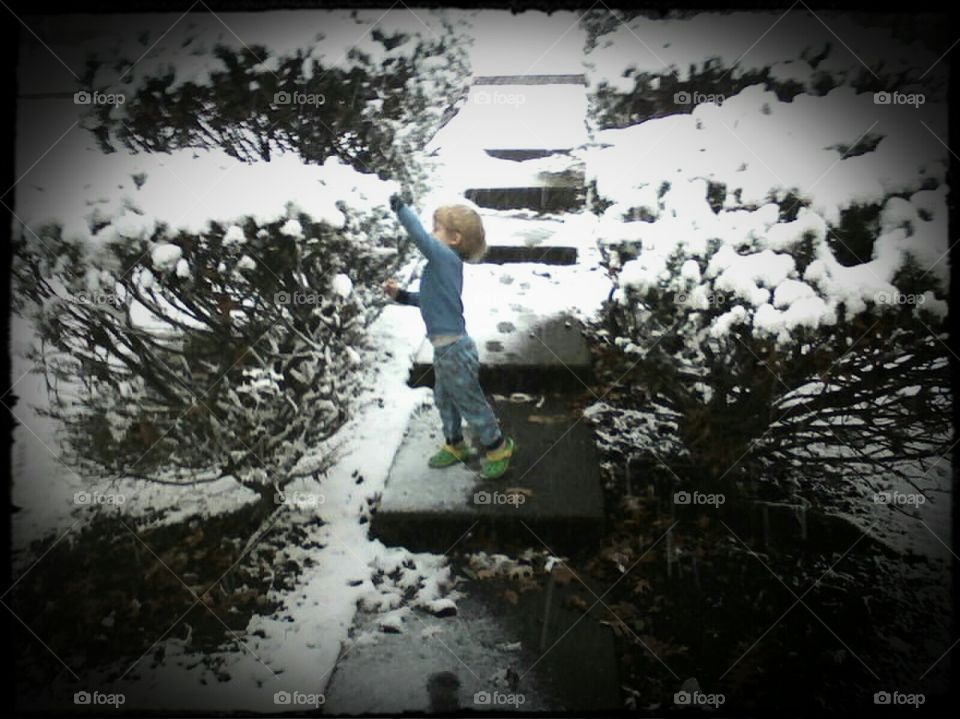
pixel 539 198
pixel 568 666
pixel 487 171
pixel 521 155
pixel 554 475
pixel 527 351
pixel 505 254
pixel 525 238
pixel 555 79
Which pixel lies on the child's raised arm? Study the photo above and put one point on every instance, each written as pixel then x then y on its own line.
pixel 430 246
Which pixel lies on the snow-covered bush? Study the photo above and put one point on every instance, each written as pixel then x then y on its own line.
pixel 640 67
pixel 784 288
pixel 192 336
pixel 368 87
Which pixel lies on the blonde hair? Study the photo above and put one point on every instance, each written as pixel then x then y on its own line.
pixel 466 221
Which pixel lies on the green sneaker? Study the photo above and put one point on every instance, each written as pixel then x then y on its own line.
pixel 498 461
pixel 450 454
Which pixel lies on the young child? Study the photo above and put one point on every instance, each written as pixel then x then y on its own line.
pixel 458 236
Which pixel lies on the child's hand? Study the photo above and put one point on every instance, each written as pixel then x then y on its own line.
pixel 390 287
pixel 400 198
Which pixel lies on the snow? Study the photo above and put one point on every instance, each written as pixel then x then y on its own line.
pixel 532 123
pixel 292 228
pixel 304 639
pixel 526 43
pixel 342 285
pixel 166 256
pixel 234 235
pixel 77 185
pixel 745 41
pixel 791 147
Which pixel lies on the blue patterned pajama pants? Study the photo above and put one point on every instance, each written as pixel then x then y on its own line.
pixel 457 392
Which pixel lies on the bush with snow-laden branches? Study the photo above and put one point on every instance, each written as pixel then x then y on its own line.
pixel 202 290
pixel 368 87
pixel 782 279
pixel 226 336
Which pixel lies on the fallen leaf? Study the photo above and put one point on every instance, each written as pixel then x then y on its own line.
pixel 616 626
pixel 525 585
pixel 577 601
pixel 562 574
pixel 511 596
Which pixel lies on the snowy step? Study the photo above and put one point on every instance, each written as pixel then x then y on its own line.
pixel 517 116
pixel 523 353
pixel 554 483
pixel 555 169
pixel 555 79
pixel 570 198
pixel 465 661
pixel 523 319
pixel 521 155
pixel 552 182
pixel 526 238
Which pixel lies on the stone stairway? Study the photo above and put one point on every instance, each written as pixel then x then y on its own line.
pixel 535 365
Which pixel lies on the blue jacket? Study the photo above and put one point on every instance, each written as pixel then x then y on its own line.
pixel 441 283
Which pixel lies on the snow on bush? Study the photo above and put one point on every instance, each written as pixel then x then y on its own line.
pixel 642 67
pixel 222 332
pixel 367 86
pixel 782 274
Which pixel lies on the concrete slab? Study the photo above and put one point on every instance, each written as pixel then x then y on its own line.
pixel 389 673
pixel 569 666
pixel 553 486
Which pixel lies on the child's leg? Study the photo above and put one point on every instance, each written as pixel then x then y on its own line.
pixel 460 366
pixel 449 415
